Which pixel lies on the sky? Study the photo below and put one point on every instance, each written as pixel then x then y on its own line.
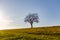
pixel 13 12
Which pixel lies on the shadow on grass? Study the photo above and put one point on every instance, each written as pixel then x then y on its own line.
pixel 20 38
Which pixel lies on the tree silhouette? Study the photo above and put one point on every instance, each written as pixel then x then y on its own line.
pixel 31 18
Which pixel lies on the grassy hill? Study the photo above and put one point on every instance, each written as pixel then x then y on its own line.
pixel 42 33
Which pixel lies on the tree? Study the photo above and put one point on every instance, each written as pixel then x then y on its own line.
pixel 31 18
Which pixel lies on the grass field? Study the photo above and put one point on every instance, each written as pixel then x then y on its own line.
pixel 43 33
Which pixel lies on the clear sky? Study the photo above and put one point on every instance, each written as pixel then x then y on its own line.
pixel 13 12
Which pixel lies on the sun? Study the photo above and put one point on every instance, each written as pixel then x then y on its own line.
pixel 4 21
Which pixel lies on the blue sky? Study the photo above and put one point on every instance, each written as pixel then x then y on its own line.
pixel 16 10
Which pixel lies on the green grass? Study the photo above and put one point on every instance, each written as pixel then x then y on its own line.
pixel 43 33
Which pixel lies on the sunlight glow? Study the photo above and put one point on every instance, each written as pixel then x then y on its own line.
pixel 4 20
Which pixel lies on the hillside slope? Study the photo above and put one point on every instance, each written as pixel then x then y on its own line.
pixel 43 33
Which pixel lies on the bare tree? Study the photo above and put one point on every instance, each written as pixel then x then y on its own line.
pixel 31 18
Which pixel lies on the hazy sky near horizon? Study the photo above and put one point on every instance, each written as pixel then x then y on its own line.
pixel 14 11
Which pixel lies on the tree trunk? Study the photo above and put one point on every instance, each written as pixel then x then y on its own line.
pixel 31 25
